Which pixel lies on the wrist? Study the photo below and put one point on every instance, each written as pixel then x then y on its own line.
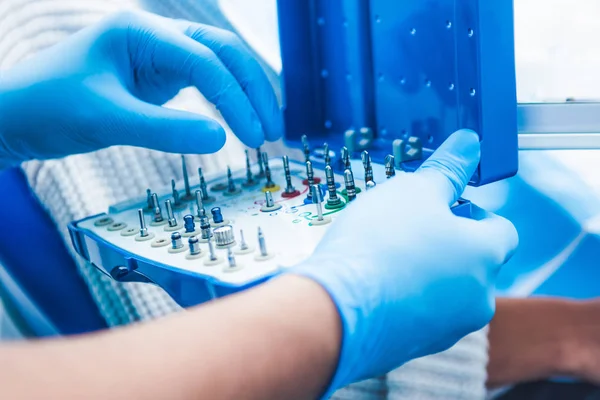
pixel 321 274
pixel 315 312
pixel 363 323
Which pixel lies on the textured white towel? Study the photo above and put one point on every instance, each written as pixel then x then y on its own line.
pixel 78 186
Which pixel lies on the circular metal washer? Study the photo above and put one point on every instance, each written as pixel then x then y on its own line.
pixel 295 193
pixel 252 184
pixel 219 187
pixel 249 250
pixel 103 221
pixel 130 232
pixel 173 228
pixel 211 263
pixel 179 250
pixel 182 205
pixel 236 192
pixel 269 209
pixel 117 226
pixel 316 222
pixel 335 206
pixel 195 256
pixel 209 200
pixel 259 257
pixel 229 269
pixel 149 236
pixel 225 222
pixel 154 223
pixel 272 189
pixel 161 242
pixel 194 233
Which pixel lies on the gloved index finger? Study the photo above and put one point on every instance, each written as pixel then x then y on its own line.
pixel 453 164
pixel 179 58
pixel 496 234
pixel 247 71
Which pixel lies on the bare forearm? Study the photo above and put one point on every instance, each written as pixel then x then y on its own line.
pixel 277 341
pixel 533 339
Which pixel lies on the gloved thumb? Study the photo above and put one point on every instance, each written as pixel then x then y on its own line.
pixel 453 164
pixel 173 131
pixel 496 234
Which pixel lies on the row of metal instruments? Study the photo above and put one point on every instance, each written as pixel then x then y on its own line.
pixel 217 231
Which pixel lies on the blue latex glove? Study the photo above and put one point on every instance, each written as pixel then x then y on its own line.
pixel 105 86
pixel 408 277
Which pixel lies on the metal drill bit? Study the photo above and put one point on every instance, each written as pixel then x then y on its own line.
pixel 176 200
pixel 143 228
pixel 310 174
pixel 199 204
pixel 269 202
pixel 249 177
pixel 366 160
pixel 205 225
pixel 170 216
pixel 231 259
pixel 194 244
pixel 230 182
pixel 345 156
pixel 149 199
pixel 186 178
pixel 310 177
pixel 317 200
pixel 350 187
pixel 333 199
pixel 326 154
pixel 176 241
pixel 243 244
pixel 306 146
pixel 188 223
pixel 289 188
pixel 261 172
pixel 206 198
pixel 158 217
pixel 211 251
pixel 390 169
pixel 261 243
pixel 270 182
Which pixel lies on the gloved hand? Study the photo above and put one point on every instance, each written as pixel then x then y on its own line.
pixel 104 85
pixel 408 277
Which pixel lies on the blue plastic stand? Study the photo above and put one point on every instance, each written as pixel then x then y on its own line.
pixel 404 69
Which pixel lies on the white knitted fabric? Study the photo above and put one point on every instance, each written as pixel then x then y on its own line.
pixel 81 185
pixel 456 374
